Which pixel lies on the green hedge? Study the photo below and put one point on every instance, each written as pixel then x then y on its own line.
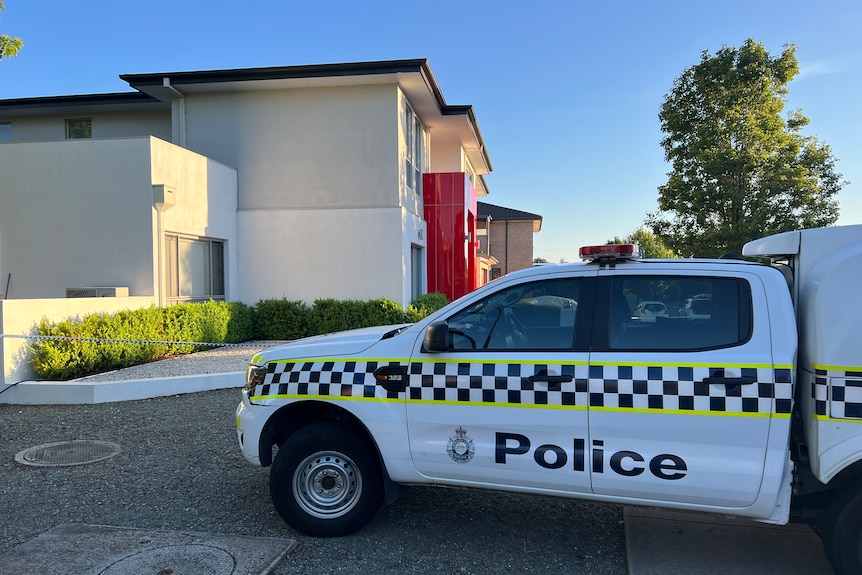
pixel 210 322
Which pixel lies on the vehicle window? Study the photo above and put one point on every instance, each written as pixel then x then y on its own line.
pixel 533 316
pixel 678 313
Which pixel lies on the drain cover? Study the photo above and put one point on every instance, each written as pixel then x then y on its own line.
pixel 77 452
pixel 176 560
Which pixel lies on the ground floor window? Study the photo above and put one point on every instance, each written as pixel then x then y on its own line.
pixel 194 268
pixel 417 264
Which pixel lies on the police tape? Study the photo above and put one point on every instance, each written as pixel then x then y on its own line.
pixel 140 341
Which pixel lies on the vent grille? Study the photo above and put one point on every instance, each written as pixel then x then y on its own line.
pixel 97 292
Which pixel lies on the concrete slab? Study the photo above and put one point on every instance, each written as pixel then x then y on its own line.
pixel 665 541
pixel 79 549
pixel 89 392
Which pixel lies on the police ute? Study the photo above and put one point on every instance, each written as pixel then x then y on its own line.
pixel 741 396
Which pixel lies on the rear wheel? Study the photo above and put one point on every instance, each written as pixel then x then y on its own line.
pixel 326 480
pixel 841 531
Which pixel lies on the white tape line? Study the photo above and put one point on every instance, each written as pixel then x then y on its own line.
pixel 140 341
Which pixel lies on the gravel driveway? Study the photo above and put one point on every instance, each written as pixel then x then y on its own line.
pixel 181 469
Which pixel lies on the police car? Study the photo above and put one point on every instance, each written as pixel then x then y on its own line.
pixel 548 381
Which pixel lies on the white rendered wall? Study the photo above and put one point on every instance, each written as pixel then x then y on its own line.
pixel 76 213
pixel 205 196
pixel 306 255
pixel 133 124
pixel 79 213
pixel 320 211
pixel 302 148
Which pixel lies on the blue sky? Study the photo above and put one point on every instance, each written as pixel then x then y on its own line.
pixel 567 93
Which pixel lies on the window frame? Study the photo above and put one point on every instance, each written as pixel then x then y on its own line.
pixel 89 130
pixel 414 139
pixel 601 332
pixel 580 330
pixel 417 271
pixel 173 269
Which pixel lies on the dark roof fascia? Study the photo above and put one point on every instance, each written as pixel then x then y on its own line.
pixel 500 213
pixel 467 110
pixel 277 72
pixel 415 65
pixel 82 100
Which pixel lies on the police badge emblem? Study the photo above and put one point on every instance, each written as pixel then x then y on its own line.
pixel 460 447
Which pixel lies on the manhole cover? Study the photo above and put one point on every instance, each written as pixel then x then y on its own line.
pixel 175 560
pixel 60 453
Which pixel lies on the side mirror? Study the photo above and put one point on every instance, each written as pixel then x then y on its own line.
pixel 437 338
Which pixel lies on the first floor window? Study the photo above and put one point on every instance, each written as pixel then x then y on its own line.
pixel 79 128
pixel 194 268
pixel 5 132
pixel 414 138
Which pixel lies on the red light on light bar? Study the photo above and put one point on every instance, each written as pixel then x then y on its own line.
pixel 613 251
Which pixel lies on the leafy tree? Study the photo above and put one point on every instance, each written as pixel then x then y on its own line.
pixel 8 46
pixel 540 261
pixel 650 245
pixel 740 170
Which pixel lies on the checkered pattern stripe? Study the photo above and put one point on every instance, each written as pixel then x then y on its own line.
pixel 677 388
pixel 838 393
pixel 324 378
pixel 496 383
pixel 681 388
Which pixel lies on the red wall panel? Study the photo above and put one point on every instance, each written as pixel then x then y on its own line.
pixel 452 245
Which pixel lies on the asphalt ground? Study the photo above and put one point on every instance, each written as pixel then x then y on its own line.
pixel 180 468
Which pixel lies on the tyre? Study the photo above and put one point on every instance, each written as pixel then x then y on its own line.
pixel 841 531
pixel 326 480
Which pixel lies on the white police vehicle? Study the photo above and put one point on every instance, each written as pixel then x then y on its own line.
pixel 546 381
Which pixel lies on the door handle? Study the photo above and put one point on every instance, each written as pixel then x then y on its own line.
pixel 745 380
pixel 554 381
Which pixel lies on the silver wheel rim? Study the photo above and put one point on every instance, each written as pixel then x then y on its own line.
pixel 327 485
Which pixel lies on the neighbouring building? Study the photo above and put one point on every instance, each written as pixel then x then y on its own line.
pixel 349 181
pixel 506 238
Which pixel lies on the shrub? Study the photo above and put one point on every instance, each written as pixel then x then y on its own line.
pixel 330 315
pixel 424 305
pixel 281 319
pixel 210 322
pixel 240 323
pixel 383 312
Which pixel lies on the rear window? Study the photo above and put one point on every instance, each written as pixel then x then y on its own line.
pixel 697 313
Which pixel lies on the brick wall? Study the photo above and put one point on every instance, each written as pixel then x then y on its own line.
pixel 516 251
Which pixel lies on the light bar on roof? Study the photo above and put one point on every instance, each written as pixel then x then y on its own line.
pixel 609 252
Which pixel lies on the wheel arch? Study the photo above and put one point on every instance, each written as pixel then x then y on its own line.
pixel 849 474
pixel 294 416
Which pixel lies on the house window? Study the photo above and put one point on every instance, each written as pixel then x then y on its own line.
pixel 79 128
pixel 194 269
pixel 416 267
pixel 5 132
pixel 413 135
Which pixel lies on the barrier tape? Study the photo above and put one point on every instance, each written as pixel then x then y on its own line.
pixel 141 341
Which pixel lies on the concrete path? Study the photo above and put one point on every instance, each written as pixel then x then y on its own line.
pixel 78 549
pixel 659 542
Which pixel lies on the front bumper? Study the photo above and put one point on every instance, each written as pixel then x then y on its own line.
pixel 250 420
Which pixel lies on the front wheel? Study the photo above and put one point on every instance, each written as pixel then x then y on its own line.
pixel 326 481
pixel 841 531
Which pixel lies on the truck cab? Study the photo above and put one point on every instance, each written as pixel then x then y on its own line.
pixel 553 380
